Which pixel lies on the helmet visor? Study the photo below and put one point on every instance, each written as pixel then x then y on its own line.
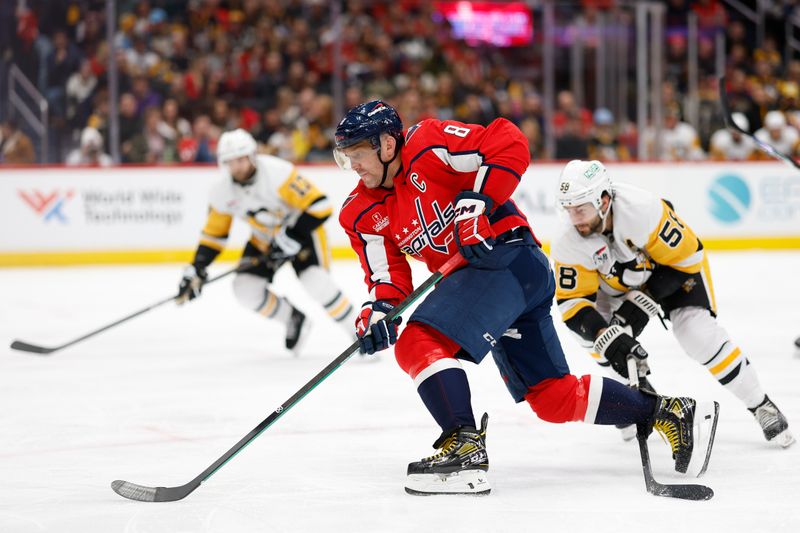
pixel 581 214
pixel 347 157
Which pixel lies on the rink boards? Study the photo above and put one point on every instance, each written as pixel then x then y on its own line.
pixel 58 215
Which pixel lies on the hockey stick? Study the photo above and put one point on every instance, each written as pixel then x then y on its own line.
pixel 44 350
pixel 728 116
pixel 677 490
pixel 132 491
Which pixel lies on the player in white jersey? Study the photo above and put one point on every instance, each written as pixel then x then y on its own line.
pixel 679 140
pixel 285 213
pixel 730 145
pixel 778 134
pixel 627 254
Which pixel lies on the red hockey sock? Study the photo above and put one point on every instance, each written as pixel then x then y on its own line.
pixel 563 399
pixel 419 346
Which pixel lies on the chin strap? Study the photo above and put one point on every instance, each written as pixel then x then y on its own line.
pixel 386 165
pixel 604 217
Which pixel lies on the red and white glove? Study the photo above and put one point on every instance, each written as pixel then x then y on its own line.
pixel 374 332
pixel 473 231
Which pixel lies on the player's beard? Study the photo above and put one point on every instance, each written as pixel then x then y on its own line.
pixel 590 228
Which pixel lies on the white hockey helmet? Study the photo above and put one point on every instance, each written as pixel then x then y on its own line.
pixel 583 182
pixel 234 144
pixel 774 120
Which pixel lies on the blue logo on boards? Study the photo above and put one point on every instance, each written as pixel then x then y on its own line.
pixel 729 198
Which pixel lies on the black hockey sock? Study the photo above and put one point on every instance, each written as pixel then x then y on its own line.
pixel 620 404
pixel 447 396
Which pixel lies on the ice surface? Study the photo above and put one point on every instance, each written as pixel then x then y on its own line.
pixel 157 400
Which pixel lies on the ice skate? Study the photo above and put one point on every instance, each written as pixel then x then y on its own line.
pixel 773 423
pixel 689 429
pixel 297 331
pixel 459 467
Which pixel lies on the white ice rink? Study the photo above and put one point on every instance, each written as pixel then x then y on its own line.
pixel 157 400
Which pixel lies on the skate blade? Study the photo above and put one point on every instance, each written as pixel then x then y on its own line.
pixel 705 428
pixel 473 482
pixel 784 439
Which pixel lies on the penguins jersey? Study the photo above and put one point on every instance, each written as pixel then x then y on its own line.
pixel 277 196
pixel 723 147
pixel 680 143
pixel 788 142
pixel 646 231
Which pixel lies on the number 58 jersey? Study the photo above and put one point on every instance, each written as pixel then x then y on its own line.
pixel 646 232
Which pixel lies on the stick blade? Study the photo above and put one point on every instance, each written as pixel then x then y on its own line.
pixel 32 348
pixel 141 493
pixel 132 491
pixel 683 492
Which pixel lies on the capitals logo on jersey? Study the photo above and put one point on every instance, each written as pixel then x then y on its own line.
pixel 425 232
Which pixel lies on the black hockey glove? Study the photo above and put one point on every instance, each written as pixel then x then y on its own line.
pixel 615 345
pixel 635 312
pixel 665 281
pixel 287 242
pixel 374 332
pixel 631 274
pixel 191 284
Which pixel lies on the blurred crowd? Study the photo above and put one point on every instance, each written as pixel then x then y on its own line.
pixel 189 70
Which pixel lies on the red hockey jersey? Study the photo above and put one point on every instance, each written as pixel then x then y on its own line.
pixel 415 217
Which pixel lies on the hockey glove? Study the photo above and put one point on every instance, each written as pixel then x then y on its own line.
pixel 191 284
pixel 615 345
pixel 374 332
pixel 287 244
pixel 631 274
pixel 665 282
pixel 473 232
pixel 635 312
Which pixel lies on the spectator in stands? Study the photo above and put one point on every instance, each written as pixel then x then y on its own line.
pixel 62 62
pixel 533 132
pixel 172 126
pixel 604 145
pixel 140 59
pixel 145 96
pixel 572 142
pixel 570 112
pixel 80 87
pixel 130 124
pixel 90 151
pixel 16 148
pixel 150 146
pixel 730 145
pixel 201 145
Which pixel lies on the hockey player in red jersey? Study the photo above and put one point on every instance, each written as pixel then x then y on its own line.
pixel 443 188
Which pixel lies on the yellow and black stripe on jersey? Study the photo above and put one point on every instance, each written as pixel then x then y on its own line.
pixel 673 243
pixel 304 196
pixel 215 233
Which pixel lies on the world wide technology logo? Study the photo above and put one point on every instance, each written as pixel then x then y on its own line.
pixel 729 198
pixel 47 205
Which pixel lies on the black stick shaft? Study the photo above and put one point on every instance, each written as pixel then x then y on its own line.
pixel 28 347
pixel 767 148
pixel 142 493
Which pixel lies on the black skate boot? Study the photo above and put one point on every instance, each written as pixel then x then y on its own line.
pixel 459 467
pixel 297 331
pixel 689 430
pixel 773 423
